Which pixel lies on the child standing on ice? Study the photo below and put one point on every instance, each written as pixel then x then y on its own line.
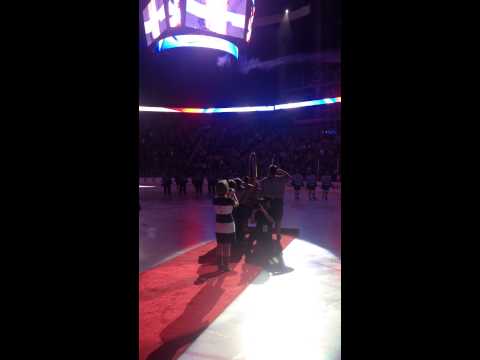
pixel 224 202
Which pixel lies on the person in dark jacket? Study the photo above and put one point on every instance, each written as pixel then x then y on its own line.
pixel 167 184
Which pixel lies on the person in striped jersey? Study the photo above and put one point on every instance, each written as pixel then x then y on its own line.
pixel 224 202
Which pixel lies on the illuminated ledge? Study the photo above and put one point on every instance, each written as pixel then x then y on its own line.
pixel 203 41
pixel 245 108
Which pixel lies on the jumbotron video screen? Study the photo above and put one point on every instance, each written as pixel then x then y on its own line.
pixel 223 19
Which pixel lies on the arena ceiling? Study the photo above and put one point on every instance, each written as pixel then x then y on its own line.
pixel 200 78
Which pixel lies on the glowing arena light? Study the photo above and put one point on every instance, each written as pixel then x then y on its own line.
pixel 190 110
pixel 307 103
pixel 240 109
pixel 156 109
pixel 203 41
pixel 299 104
pixel 295 105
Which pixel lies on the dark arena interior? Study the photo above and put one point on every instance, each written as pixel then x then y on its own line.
pixel 240 181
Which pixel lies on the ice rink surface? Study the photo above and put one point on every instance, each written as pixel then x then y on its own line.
pixel 169 225
pixel 289 316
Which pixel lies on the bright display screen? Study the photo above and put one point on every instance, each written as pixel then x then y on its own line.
pixel 250 21
pixel 224 17
pixel 174 13
pixel 164 19
pixel 204 41
pixel 154 20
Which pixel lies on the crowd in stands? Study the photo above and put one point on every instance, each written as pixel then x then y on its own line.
pixel 221 149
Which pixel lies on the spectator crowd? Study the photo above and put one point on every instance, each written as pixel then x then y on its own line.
pixel 221 148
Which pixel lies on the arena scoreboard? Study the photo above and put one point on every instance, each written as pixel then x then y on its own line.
pixel 216 24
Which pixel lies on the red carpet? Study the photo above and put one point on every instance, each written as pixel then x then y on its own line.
pixel 182 296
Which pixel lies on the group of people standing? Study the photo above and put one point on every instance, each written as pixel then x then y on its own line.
pixel 236 202
pixel 298 181
pixel 310 180
pixel 181 182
